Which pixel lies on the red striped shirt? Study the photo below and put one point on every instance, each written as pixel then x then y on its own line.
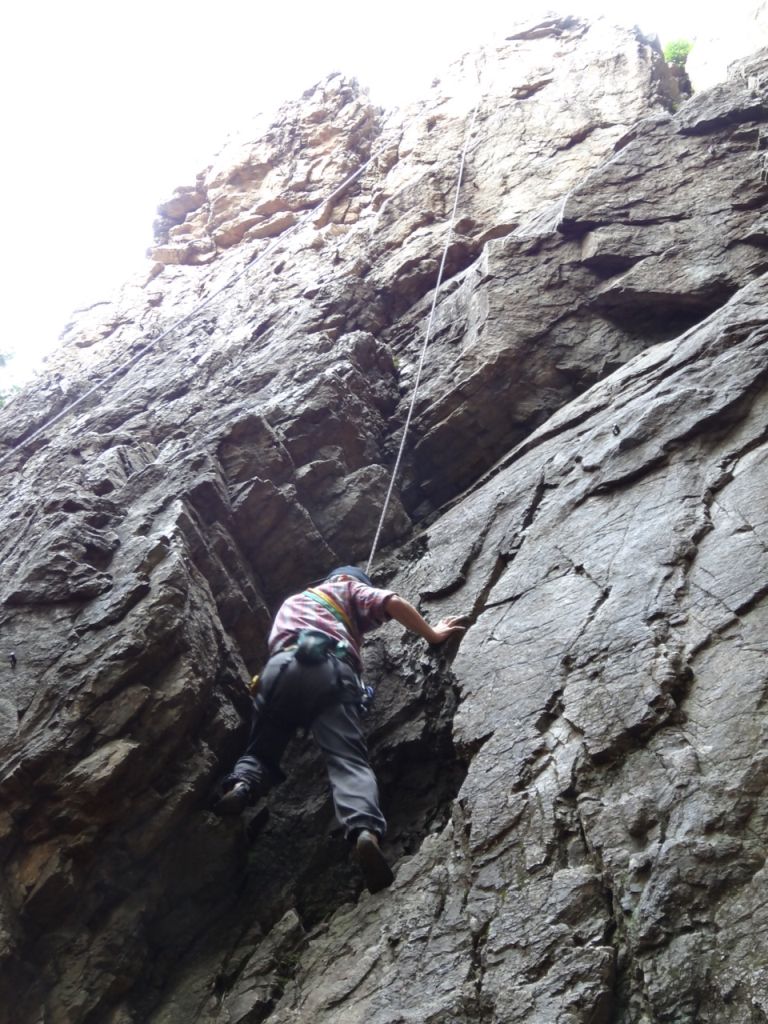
pixel 364 606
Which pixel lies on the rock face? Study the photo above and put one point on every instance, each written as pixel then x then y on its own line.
pixel 576 791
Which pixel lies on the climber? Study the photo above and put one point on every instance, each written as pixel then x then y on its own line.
pixel 313 679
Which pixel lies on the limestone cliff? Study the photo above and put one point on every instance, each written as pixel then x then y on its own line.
pixel 576 791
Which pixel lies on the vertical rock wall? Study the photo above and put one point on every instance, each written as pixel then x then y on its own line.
pixel 576 792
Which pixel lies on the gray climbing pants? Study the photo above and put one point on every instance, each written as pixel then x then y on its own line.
pixel 325 698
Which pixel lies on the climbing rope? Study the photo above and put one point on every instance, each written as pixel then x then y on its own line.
pixel 154 342
pixel 427 335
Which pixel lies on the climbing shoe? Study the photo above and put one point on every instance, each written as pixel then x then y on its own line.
pixel 234 801
pixel 377 873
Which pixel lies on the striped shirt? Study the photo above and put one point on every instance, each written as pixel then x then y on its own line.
pixel 365 607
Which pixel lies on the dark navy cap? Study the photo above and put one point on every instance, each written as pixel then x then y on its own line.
pixel 350 570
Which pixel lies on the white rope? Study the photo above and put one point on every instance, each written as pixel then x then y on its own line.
pixel 427 336
pixel 154 342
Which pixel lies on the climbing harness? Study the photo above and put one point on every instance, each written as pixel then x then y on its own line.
pixel 427 335
pixel 313 648
pixel 154 342
pixel 338 649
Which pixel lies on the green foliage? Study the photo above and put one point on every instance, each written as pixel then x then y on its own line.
pixel 676 52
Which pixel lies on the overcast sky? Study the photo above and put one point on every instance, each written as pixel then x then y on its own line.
pixel 107 108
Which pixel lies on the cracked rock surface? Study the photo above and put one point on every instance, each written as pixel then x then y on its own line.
pixel 576 791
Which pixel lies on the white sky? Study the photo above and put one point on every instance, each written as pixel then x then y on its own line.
pixel 108 107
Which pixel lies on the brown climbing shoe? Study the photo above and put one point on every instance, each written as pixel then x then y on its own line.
pixel 234 800
pixel 377 873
